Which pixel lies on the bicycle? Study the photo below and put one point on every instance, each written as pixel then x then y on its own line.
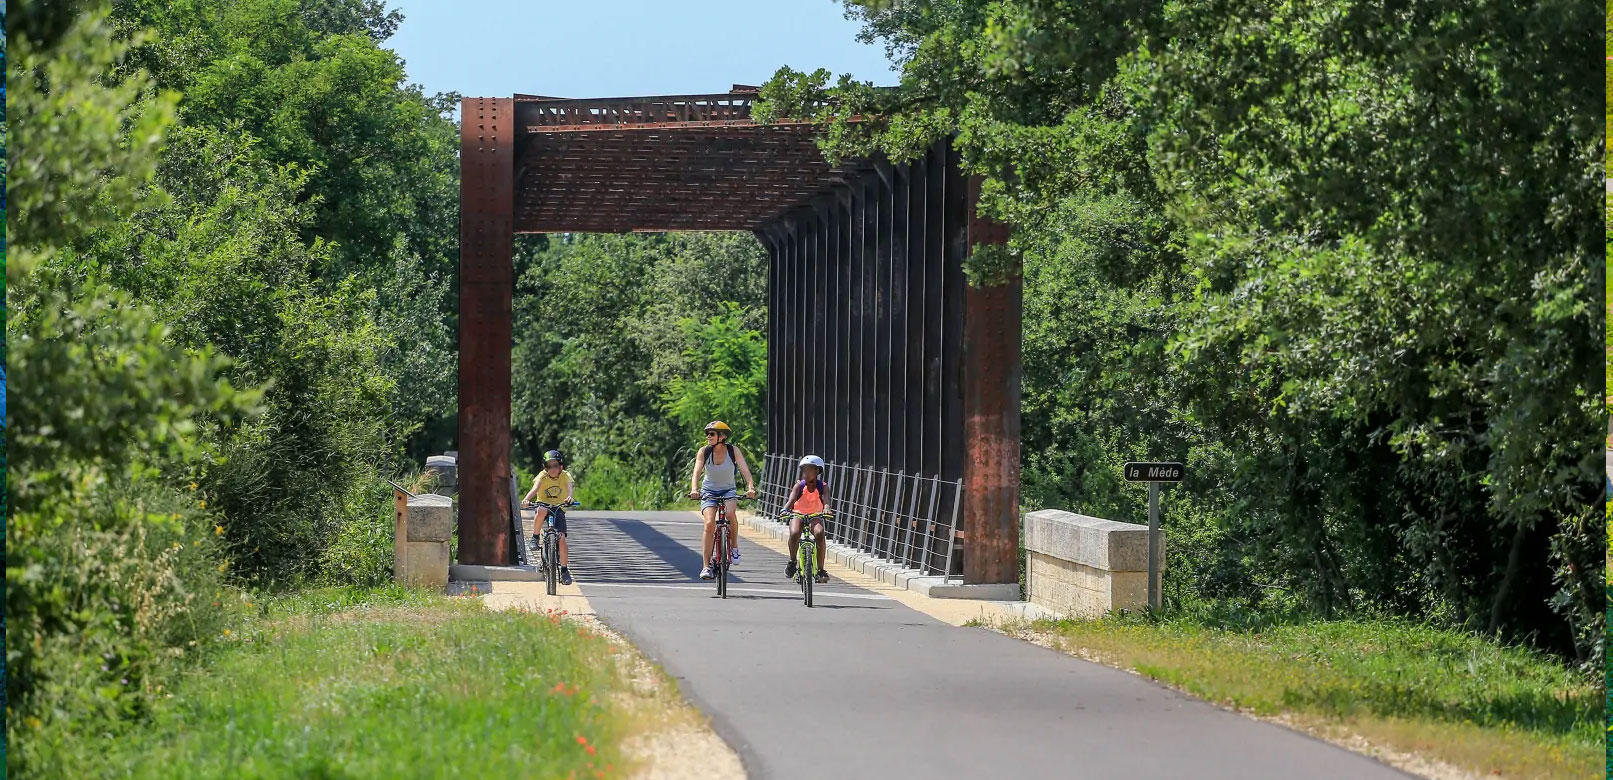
pixel 719 548
pixel 806 552
pixel 549 546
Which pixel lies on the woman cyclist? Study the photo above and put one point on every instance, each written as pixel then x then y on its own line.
pixel 810 496
pixel 713 482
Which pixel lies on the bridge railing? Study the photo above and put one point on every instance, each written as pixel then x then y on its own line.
pixel 911 519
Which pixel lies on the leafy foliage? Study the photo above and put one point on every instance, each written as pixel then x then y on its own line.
pixel 728 372
pixel 1340 256
pixel 625 346
pixel 304 85
pixel 109 565
pixel 286 227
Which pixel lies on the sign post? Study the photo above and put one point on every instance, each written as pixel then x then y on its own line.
pixel 1153 474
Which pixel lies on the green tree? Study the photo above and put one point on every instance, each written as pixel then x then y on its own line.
pixel 307 84
pixel 109 563
pixel 216 250
pixel 727 365
pixel 604 327
pixel 1339 256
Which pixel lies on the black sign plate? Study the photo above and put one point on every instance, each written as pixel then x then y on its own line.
pixel 1153 472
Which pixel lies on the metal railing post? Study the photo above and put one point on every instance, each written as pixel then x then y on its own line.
pixel 895 516
pixel 873 509
pixel 912 520
pixel 929 542
pixel 842 518
pixel 767 468
pixel 952 532
pixel 769 477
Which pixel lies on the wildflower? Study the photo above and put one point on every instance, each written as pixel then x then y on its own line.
pixel 226 632
pixel 218 530
pixel 589 748
pixel 581 740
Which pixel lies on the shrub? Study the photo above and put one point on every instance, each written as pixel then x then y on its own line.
pixel 106 595
pixel 110 571
pixel 613 484
pixel 361 553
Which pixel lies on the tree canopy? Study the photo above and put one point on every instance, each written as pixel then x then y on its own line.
pixel 1340 256
pixel 625 346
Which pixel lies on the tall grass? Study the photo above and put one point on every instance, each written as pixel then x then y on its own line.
pixel 377 684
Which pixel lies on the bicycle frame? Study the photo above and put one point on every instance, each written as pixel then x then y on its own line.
pixel 549 548
pixel 806 560
pixel 719 545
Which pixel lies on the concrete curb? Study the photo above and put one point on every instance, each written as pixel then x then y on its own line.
pixel 466 572
pixel 890 572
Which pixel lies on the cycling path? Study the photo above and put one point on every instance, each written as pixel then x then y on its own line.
pixel 864 686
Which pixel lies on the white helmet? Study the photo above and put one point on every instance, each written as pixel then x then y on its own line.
pixel 812 460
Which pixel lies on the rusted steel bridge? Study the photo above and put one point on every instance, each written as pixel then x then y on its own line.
pixel 879 352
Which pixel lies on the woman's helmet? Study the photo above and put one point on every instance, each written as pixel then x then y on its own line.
pixel 553 455
pixel 717 425
pixel 812 460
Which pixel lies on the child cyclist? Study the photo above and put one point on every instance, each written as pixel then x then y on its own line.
pixel 553 486
pixel 809 498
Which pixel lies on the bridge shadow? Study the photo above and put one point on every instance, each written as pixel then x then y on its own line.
pixel 623 551
pixel 797 600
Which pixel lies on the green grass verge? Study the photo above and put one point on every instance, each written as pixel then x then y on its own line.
pixel 1458 698
pixel 345 683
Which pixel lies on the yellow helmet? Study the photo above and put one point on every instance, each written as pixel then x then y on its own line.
pixel 717 425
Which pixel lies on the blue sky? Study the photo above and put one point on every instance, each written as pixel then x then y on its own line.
pixel 609 48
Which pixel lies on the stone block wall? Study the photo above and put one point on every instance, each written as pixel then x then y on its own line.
pixel 1083 566
pixel 424 527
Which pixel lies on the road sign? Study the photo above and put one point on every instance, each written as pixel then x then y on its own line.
pixel 1153 472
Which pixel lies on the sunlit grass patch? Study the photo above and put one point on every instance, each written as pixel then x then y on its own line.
pixel 389 683
pixel 1455 697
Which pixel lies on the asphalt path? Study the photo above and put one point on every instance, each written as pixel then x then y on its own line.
pixel 862 686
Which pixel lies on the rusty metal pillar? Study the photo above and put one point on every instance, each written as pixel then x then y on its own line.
pixel 486 284
pixel 991 376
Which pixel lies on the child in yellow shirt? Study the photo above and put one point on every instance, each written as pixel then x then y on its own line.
pixel 553 489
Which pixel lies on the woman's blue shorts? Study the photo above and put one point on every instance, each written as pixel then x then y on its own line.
pixel 710 498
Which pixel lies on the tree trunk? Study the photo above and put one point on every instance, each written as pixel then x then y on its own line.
pixel 1503 593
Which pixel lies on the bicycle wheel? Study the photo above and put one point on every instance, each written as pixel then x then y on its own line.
pixel 551 567
pixel 720 545
pixel 808 570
